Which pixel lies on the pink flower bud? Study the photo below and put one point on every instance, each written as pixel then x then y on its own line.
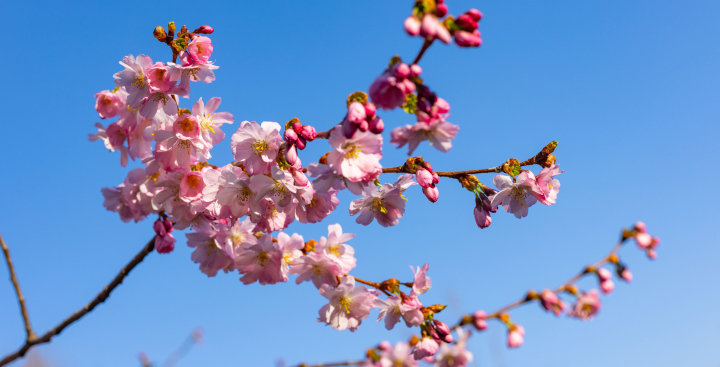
pixel 376 126
pixel 432 193
pixel 290 136
pixel 442 105
pixel 400 70
pixel 475 14
pixel 300 177
pixel 301 143
pixel 423 177
pixel 415 70
pixel 168 225
pixel 604 274
pixel 348 128
pixel 412 26
pixel 652 254
pixel 384 345
pixel 370 109
pixel 443 331
pixel 640 227
pixel 516 336
pixel 308 133
pixel 297 126
pixel 159 228
pixel 468 39
pixel 479 320
pixel 291 155
pixel 441 10
pixel 165 244
pixel 466 22
pixel 607 286
pixel 204 29
pixel 643 240
pixel 356 113
pixel 626 275
pixel 429 26
pixel 429 359
pixel 436 178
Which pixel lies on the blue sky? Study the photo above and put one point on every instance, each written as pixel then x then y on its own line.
pixel 630 90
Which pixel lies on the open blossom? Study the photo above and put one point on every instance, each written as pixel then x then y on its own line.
pixel 424 348
pixel 390 89
pixel 516 336
pixel 208 252
pixel 396 356
pixel 348 304
pixel 317 267
pixel 547 183
pixel 210 121
pixel 335 247
pixel 133 199
pixel 318 208
pixel 235 238
pixel 256 145
pixel 114 137
pixel 200 49
pixel 234 190
pixel 356 158
pixel 133 78
pixel 438 131
pixel 280 187
pixel 261 262
pixel 326 180
pixel 162 80
pixel 587 306
pixel 384 204
pixel 291 247
pixel 109 104
pixel 395 307
pixel 194 71
pixel 421 282
pixel 516 197
pixel 551 302
pixel 453 356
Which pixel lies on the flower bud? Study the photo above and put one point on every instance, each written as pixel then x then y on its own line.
pixel 168 225
pixel 308 133
pixel 400 70
pixel 171 28
pixel 301 143
pixel 412 26
pixel 441 10
pixel 425 347
pixel 376 126
pixel 432 193
pixel 300 177
pixel 204 29
pixel 415 70
pixel 479 320
pixel 442 105
pixel 159 228
pixel 290 136
pixel 348 128
pixel 160 34
pixel 475 14
pixel 384 345
pixel 626 275
pixel 369 109
pixel 424 177
pixel 516 336
pixel 356 113
pixel 607 286
pixel 604 274
pixel 297 126
pixel 291 155
pixel 466 22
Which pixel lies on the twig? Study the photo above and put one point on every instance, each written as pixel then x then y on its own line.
pixel 30 334
pixel 100 298
pixel 348 363
pixel 424 48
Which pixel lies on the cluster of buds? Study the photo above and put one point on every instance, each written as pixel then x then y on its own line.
pixel 296 137
pixel 424 175
pixel 483 206
pixel 425 22
pixel 465 28
pixel 645 241
pixel 361 116
pixel 391 89
pixel 164 240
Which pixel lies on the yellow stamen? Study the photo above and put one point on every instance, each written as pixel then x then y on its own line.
pixel 345 304
pixel 259 146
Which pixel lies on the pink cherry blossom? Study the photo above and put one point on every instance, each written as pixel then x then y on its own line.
pixel 587 306
pixel 356 158
pixel 109 104
pixel 516 197
pixel 291 247
pixel 439 132
pixel 318 208
pixel 317 267
pixel 133 78
pixel 261 262
pixel 424 348
pixel 384 204
pixel 348 304
pixel 548 185
pixel 208 252
pixel 256 145
pixel 191 186
pixel 391 309
pixel 421 282
pixel 335 248
pixel 194 71
pixel 396 356
pixel 200 49
pixel 390 89
pixel 327 179
pixel 211 121
pixel 453 356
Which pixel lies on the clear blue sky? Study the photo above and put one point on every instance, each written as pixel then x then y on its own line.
pixel 630 90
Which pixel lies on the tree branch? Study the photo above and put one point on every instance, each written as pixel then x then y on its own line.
pixel 30 334
pixel 348 363
pixel 100 298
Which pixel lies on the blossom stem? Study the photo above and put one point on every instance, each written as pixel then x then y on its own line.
pixel 497 314
pixel 100 298
pixel 21 299
pixel 424 48
pixel 375 285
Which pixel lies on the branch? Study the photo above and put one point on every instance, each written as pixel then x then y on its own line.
pixel 348 363
pixel 100 298
pixel 21 299
pixel 424 48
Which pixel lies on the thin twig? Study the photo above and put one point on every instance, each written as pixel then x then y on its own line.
pixel 30 334
pixel 424 48
pixel 100 298
pixel 335 364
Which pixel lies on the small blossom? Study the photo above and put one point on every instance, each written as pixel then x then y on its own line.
pixel 356 158
pixel 424 348
pixel 548 185
pixel 164 240
pixel 516 197
pixel 587 306
pixel 261 262
pixel 390 89
pixel 385 204
pixel 318 268
pixel 109 104
pixel 421 282
pixel 348 304
pixel 516 336
pixel 256 145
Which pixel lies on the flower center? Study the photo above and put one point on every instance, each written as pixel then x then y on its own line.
pixel 187 124
pixel 352 150
pixel 519 194
pixel 207 123
pixel 159 74
pixel 238 238
pixel 211 247
pixel 378 205
pixel 139 81
pixel 261 258
pixel 345 304
pixel 161 97
pixel 335 250
pixel 245 193
pixel 107 101
pixel 193 181
pixel 259 146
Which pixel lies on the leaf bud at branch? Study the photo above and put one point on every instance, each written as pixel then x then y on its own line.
pixel 512 167
pixel 160 34
pixel 171 29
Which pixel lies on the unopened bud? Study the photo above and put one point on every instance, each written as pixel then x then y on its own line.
pixel 204 29
pixel 414 340
pixel 171 28
pixel 436 308
pixel 549 161
pixel 512 167
pixel 308 133
pixel 183 29
pixel 290 136
pixel 160 34
pixel 376 126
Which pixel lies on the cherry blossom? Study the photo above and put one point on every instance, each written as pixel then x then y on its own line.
pixel 356 158
pixel 348 304
pixel 516 197
pixel 256 145
pixel 587 306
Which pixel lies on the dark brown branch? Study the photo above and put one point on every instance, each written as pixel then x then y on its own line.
pixel 100 298
pixel 30 334
pixel 424 48
pixel 348 363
